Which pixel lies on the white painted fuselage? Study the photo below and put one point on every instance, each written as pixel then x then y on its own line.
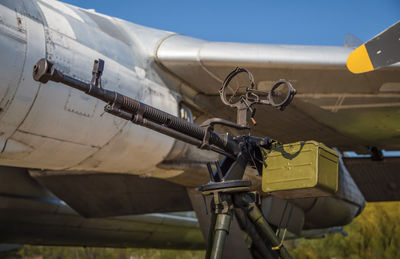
pixel 51 126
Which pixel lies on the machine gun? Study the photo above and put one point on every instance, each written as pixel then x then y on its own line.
pixel 227 186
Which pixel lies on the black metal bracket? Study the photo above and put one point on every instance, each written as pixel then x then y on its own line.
pixel 98 68
pixel 215 121
pixel 209 126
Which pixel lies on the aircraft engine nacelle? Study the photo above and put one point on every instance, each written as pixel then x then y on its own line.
pixel 318 213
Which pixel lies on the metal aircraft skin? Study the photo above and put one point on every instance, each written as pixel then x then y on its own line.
pixel 57 144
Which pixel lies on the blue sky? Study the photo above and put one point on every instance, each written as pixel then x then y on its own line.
pixel 276 22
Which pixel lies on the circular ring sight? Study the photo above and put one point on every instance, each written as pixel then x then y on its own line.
pixel 235 95
pixel 281 94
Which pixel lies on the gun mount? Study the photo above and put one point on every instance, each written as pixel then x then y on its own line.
pixel 226 185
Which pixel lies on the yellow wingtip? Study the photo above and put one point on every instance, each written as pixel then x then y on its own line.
pixel 359 61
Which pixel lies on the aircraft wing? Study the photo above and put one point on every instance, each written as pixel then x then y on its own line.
pixel 333 106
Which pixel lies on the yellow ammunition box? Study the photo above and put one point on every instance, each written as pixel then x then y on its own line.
pixel 299 170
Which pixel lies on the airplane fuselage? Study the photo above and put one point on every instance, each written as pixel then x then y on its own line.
pixel 51 127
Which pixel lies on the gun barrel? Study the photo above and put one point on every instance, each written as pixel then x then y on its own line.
pixel 140 113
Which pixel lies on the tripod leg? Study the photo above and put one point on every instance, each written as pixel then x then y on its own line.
pixel 221 218
pixel 222 225
pixel 247 201
pixel 259 247
pixel 210 240
pixel 258 219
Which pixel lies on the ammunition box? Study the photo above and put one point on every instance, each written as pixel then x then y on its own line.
pixel 299 170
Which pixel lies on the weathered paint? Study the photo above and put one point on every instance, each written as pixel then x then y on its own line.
pixel 52 126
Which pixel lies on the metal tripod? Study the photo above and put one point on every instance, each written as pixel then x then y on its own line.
pixel 228 196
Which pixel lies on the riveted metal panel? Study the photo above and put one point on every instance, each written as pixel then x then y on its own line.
pixel 24 88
